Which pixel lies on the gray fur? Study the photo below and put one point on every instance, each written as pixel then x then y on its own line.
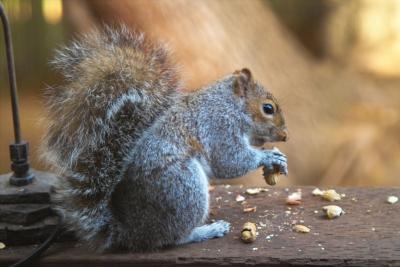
pixel 135 156
pixel 96 117
pixel 163 197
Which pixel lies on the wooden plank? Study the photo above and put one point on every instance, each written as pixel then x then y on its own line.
pixel 368 234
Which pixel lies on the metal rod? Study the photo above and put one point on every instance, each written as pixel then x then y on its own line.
pixel 11 74
pixel 19 150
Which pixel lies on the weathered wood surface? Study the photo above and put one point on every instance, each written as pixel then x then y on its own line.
pixel 368 234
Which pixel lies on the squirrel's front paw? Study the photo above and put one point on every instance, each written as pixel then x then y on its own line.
pixel 275 159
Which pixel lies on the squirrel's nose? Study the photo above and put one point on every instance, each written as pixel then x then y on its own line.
pixel 284 135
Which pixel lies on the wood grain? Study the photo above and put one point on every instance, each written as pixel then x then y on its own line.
pixel 367 234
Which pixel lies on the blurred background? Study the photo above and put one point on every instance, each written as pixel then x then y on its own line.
pixel 333 64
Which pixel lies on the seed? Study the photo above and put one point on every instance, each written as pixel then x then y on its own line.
pixel 2 245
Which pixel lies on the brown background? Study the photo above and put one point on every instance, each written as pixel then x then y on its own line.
pixel 337 82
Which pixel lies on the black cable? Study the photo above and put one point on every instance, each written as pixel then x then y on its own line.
pixel 42 248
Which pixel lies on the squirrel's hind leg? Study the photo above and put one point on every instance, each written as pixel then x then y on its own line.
pixel 208 231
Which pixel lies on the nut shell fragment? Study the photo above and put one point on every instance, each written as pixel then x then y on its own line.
pixel 293 202
pixel 294 198
pixel 301 228
pixel 240 198
pixel 271 178
pixel 249 232
pixel 251 209
pixel 317 192
pixel 255 191
pixel 392 199
pixel 333 211
pixel 331 195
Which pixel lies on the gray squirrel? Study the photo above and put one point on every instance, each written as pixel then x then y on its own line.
pixel 135 154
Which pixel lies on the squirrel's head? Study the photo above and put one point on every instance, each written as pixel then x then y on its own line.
pixel 268 121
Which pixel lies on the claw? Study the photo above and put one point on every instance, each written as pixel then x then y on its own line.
pixel 277 153
pixel 276 162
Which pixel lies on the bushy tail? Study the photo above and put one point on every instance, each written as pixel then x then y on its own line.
pixel 116 84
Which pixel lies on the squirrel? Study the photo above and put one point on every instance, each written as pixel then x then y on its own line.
pixel 134 153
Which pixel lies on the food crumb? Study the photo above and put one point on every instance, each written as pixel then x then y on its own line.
pixel 240 198
pixel 255 191
pixel 268 237
pixel 317 192
pixel 293 202
pixel 392 199
pixel 333 211
pixel 294 198
pixel 331 195
pixel 251 209
pixel 301 228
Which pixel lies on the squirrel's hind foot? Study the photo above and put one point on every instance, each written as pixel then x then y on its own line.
pixel 207 231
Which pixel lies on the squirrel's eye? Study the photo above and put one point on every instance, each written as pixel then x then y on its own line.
pixel 268 109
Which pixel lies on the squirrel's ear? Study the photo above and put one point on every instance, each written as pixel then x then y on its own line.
pixel 244 82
